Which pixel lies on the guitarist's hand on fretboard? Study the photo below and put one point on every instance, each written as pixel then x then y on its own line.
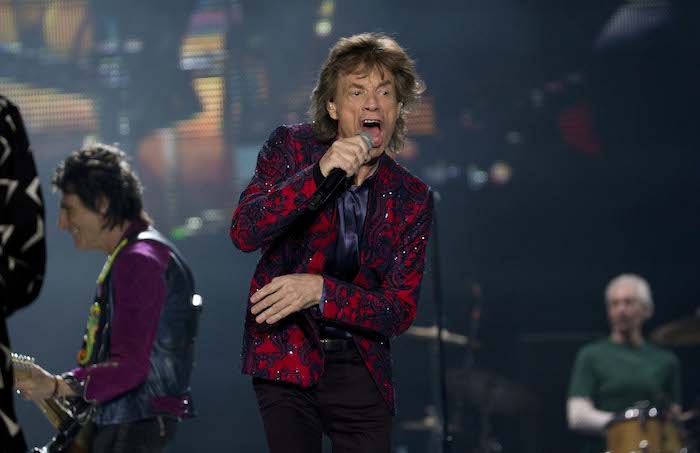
pixel 71 419
pixel 35 383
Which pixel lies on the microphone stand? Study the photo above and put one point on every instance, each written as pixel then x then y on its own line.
pixel 474 318
pixel 485 443
pixel 437 297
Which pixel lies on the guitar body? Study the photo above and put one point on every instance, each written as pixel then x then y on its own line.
pixel 73 433
pixel 67 441
pixel 81 444
pixel 71 437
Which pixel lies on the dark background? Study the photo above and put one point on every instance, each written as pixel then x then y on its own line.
pixel 587 109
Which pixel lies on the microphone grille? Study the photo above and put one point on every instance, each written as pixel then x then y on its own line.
pixel 367 138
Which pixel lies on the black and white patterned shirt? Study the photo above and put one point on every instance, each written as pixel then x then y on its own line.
pixel 22 245
pixel 22 250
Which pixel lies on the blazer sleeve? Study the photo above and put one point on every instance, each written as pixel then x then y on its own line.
pixel 388 309
pixel 277 195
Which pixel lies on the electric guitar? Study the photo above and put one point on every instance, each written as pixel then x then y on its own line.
pixel 71 421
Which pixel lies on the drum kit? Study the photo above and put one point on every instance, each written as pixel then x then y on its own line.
pixel 639 429
pixel 647 429
pixel 489 393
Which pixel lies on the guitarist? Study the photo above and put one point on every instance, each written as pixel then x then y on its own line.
pixel 137 353
pixel 22 251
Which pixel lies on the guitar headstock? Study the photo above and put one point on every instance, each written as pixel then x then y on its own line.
pixel 22 365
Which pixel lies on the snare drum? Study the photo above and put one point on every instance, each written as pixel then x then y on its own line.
pixel 643 430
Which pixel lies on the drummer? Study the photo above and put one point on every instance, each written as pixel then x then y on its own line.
pixel 619 371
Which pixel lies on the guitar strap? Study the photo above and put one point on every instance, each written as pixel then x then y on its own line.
pixel 97 318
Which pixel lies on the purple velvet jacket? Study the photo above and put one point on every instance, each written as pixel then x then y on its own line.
pixel 377 305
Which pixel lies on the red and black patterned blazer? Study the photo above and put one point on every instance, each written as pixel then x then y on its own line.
pixel 377 305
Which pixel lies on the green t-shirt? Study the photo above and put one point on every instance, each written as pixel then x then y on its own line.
pixel 617 376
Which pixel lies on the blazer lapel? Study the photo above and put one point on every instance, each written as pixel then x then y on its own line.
pixel 377 230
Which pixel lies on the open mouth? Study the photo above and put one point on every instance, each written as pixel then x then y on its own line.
pixel 374 128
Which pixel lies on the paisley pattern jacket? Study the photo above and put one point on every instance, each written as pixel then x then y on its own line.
pixel 380 303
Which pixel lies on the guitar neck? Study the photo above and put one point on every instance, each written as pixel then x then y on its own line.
pixel 53 410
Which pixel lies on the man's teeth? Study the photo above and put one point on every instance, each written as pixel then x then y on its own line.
pixel 370 123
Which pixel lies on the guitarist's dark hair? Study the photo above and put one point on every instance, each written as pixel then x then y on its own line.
pixel 99 173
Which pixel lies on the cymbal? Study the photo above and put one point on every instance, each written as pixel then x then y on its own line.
pixel 431 333
pixel 490 392
pixel 682 332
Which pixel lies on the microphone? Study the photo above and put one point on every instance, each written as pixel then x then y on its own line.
pixel 334 179
pixel 368 140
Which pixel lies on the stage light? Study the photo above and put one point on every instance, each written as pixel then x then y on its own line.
pixel 476 177
pixel 513 138
pixel 323 28
pixel 194 223
pixel 327 8
pixel 501 173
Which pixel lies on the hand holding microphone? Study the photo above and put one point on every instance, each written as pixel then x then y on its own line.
pixel 347 154
pixel 342 160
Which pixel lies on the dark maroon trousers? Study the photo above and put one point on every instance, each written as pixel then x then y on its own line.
pixel 345 405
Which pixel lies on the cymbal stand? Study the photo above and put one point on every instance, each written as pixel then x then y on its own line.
pixel 486 443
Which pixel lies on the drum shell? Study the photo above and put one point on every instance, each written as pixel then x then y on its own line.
pixel 643 433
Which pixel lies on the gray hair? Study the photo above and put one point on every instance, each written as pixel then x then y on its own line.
pixel 640 285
